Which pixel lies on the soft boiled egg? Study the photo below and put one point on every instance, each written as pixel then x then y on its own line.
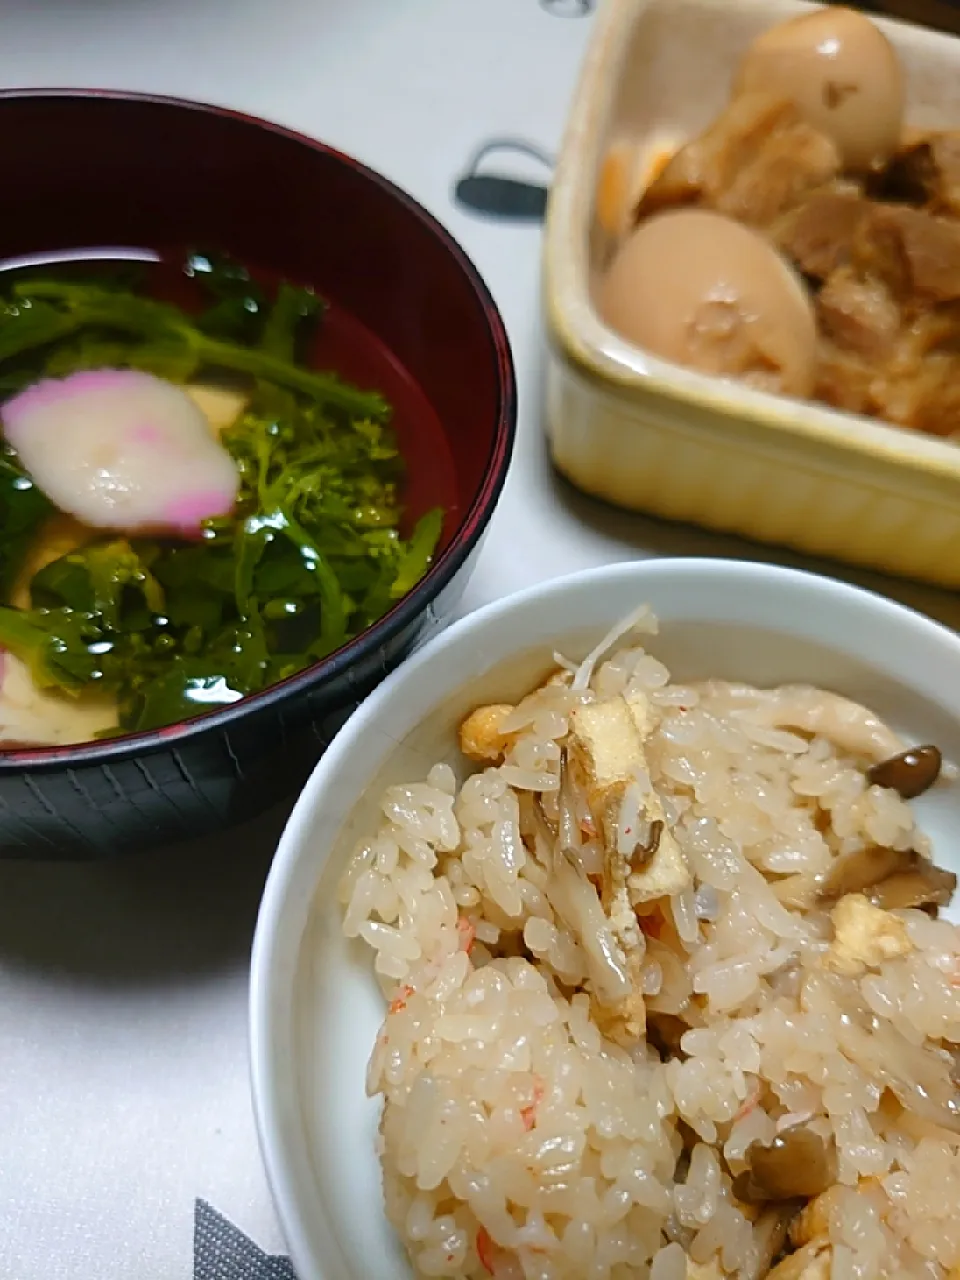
pixel 699 289
pixel 841 71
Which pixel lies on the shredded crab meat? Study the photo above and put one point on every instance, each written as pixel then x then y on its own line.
pixel 641 619
pixel 849 726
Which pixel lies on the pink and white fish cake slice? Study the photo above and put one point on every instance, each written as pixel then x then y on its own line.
pixel 122 450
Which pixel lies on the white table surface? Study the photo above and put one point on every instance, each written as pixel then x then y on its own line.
pixel 123 1071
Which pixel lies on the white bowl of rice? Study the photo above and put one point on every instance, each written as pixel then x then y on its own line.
pixel 598 947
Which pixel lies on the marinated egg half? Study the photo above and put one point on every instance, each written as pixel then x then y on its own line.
pixel 843 74
pixel 703 291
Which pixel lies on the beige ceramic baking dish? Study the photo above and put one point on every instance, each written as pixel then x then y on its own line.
pixel 650 436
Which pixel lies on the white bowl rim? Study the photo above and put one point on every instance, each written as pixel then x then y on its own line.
pixel 263 1042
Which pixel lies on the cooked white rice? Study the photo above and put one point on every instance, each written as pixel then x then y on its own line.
pixel 528 1133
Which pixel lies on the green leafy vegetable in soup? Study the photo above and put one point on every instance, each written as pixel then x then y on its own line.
pixel 227 514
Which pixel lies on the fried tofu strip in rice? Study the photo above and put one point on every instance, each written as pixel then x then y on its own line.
pixel 642 862
pixel 482 738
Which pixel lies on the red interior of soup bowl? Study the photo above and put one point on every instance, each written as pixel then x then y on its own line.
pixel 410 315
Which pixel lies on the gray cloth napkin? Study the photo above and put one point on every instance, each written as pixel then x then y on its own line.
pixel 222 1252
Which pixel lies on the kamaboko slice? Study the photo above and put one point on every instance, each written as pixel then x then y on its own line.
pixel 124 450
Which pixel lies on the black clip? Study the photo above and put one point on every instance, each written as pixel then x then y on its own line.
pixel 568 8
pixel 497 196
